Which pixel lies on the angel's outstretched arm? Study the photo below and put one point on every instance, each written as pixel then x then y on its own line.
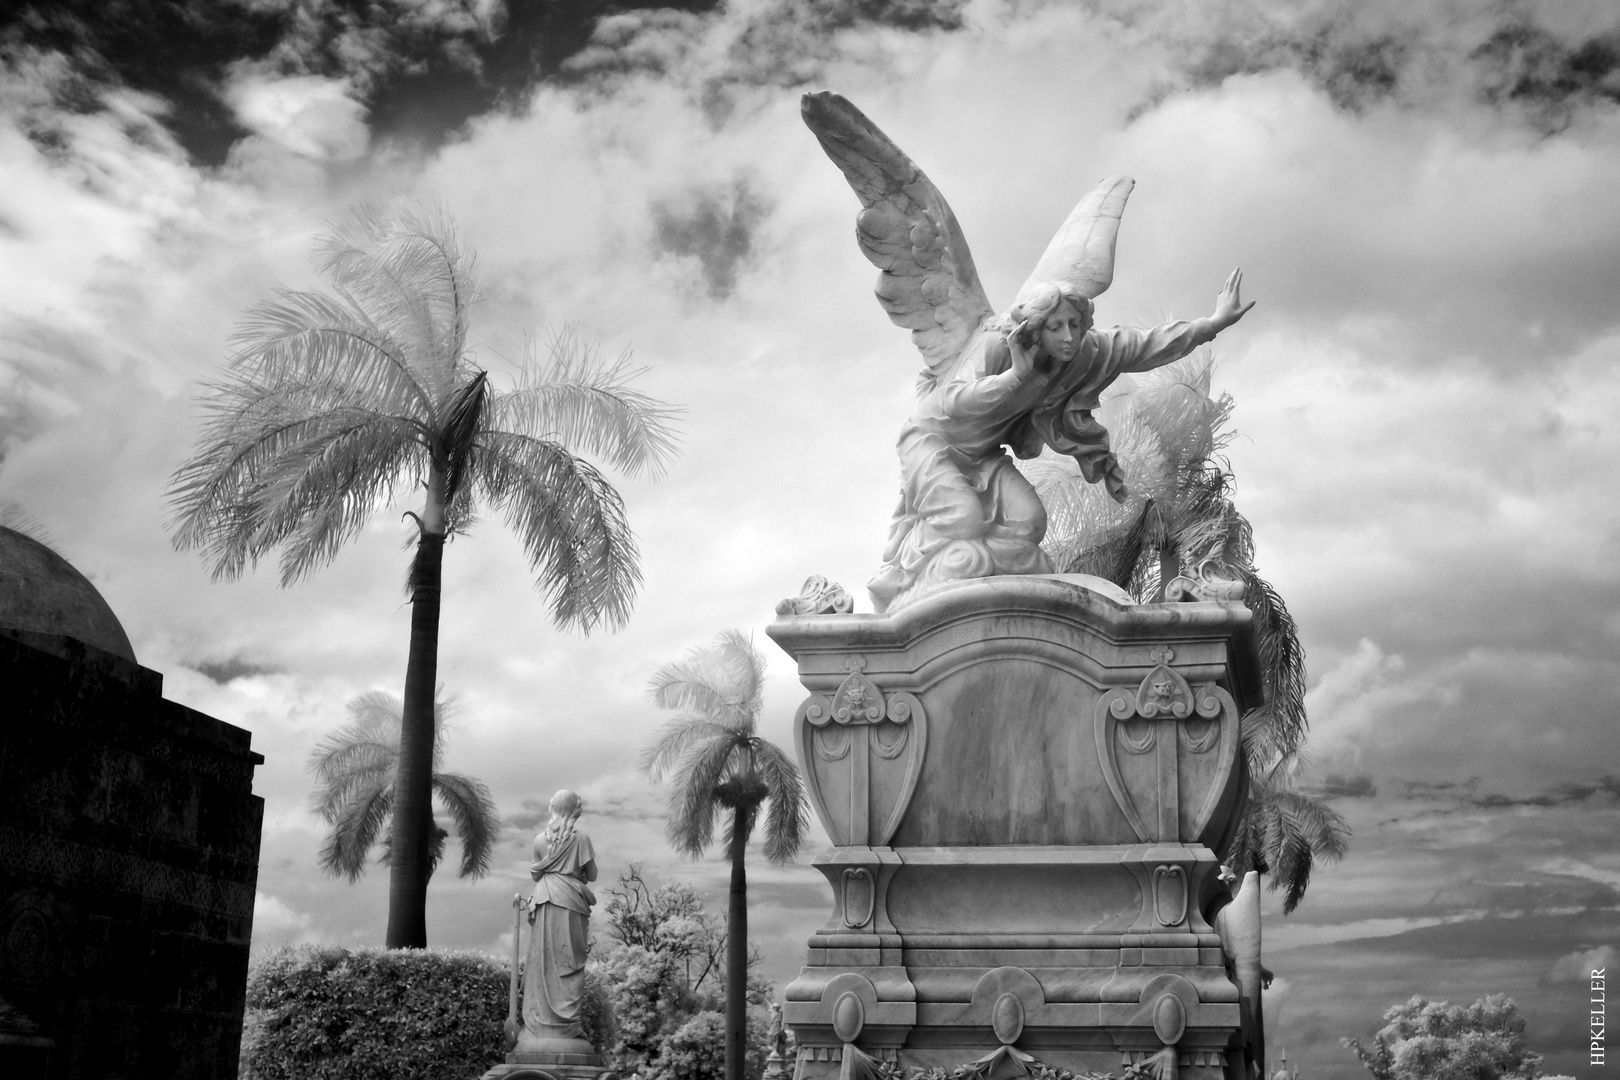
pixel 1143 350
pixel 1229 305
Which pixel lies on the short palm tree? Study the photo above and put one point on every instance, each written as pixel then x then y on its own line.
pixel 336 402
pixel 1179 519
pixel 719 763
pixel 355 768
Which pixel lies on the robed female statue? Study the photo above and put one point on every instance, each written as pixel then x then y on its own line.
pixel 559 915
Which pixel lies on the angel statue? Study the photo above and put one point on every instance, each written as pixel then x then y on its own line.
pixel 1026 379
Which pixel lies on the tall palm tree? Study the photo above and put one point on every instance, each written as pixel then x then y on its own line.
pixel 334 403
pixel 355 768
pixel 719 763
pixel 1179 519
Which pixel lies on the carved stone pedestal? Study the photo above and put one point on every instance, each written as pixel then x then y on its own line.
pixel 539 1057
pixel 1027 783
pixel 577 1061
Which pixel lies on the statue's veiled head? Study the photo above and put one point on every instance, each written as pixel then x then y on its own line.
pixel 1059 317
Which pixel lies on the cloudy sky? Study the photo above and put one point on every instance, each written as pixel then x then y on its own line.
pixel 1424 202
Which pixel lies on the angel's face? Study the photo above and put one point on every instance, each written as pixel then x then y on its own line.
pixel 1062 331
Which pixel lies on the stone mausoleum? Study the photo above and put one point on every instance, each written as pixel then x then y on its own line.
pixel 129 847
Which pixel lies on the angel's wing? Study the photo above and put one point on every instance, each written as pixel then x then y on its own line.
pixel 1082 252
pixel 928 283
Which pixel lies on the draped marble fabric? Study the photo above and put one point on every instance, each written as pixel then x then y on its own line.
pixel 559 911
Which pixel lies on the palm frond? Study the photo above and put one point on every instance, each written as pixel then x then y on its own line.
pixel 477 824
pixel 403 261
pixel 461 428
pixel 689 822
pixel 722 679
pixel 356 757
pixel 1284 833
pixel 334 348
pixel 572 525
pixel 788 817
pixel 364 752
pixel 674 739
pixel 576 399
pixel 309 481
pixel 355 830
pixel 1282 722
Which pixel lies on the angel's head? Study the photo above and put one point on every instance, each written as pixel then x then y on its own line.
pixel 1058 317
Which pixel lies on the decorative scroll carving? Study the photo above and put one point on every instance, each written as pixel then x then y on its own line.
pixel 864 750
pixel 818 597
pixel 1204 582
pixel 1195 758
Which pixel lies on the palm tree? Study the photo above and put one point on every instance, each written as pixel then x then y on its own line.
pixel 1178 520
pixel 336 402
pixel 355 768
pixel 719 763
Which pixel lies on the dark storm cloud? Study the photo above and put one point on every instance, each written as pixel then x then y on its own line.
pixel 715 226
pixel 1360 54
pixel 1347 787
pixel 231 668
pixel 421 70
pixel 1524 66
pixel 782 43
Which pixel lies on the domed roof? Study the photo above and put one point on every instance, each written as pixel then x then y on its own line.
pixel 40 591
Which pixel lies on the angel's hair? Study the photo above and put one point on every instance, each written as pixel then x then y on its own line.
pixel 565 807
pixel 1044 299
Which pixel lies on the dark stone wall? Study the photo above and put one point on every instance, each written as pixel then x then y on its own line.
pixel 129 850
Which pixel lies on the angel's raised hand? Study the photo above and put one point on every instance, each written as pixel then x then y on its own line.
pixel 1023 358
pixel 1229 305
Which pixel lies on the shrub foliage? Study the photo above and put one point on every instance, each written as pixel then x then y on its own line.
pixel 374 1014
pixel 1436 1040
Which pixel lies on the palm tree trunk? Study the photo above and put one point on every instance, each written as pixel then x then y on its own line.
pixel 410 857
pixel 737 948
pixel 1169 566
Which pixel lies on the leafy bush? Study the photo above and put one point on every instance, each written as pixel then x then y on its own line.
pixel 660 975
pixel 1435 1040
pixel 372 1014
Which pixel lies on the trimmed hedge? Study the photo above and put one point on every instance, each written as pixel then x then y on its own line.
pixel 373 1014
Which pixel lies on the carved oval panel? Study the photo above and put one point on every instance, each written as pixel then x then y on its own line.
pixel 1169 895
pixel 859 895
pixel 1007 1018
pixel 848 1016
pixel 27 947
pixel 1169 1019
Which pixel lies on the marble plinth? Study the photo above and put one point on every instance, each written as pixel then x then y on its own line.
pixel 1027 783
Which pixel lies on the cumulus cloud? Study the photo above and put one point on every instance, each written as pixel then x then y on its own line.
pixel 314 117
pixel 1578 966
pixel 274 917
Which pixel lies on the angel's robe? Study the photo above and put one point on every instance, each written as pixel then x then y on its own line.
pixel 957 483
pixel 554 978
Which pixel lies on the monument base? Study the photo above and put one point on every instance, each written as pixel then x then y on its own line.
pixel 541 1057
pixel 515 1070
pixel 1026 782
